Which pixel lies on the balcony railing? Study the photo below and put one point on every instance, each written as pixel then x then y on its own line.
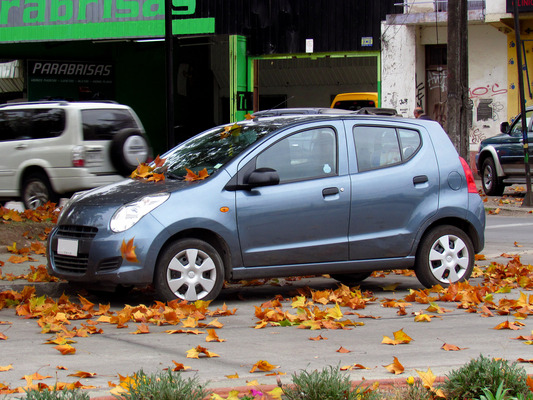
pixel 436 5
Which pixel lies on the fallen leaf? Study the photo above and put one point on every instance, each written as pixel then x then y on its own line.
pixel 452 347
pixel 395 368
pixel 343 350
pixel 400 337
pixel 127 250
pixel 263 365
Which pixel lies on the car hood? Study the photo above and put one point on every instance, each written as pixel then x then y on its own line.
pixel 128 190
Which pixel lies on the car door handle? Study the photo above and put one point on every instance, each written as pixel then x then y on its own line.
pixel 21 147
pixel 330 191
pixel 420 179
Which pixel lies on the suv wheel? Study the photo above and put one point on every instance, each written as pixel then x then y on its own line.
pixel 445 255
pixel 191 270
pixel 129 148
pixel 351 279
pixel 492 185
pixel 37 191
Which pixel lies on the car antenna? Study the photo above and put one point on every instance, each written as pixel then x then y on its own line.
pixel 277 105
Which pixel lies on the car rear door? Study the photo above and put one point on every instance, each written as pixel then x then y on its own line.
pixel 304 219
pixel 394 183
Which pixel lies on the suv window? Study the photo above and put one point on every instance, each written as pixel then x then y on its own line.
pixel 516 130
pixel 304 155
pixel 27 124
pixel 105 123
pixel 379 147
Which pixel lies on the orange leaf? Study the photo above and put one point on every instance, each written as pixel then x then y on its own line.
pixel 2 336
pixel 343 350
pixel 213 337
pixel 141 329
pixel 127 250
pixel 65 349
pixel 452 347
pixel 17 259
pixel 191 176
pixel 509 325
pixel 179 367
pixel 6 368
pixel 158 162
pixel 234 376
pixel 262 365
pixel 395 368
pixel 83 374
pixel 317 338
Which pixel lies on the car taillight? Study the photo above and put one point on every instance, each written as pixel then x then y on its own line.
pixel 469 176
pixel 78 159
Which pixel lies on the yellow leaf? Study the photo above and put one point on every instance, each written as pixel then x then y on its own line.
pixel 213 337
pixel 65 349
pixel 428 378
pixel 400 337
pixel 395 368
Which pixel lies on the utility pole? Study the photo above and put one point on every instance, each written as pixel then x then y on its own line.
pixel 528 199
pixel 458 76
pixel 169 72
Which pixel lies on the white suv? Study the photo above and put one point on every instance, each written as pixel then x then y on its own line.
pixel 56 148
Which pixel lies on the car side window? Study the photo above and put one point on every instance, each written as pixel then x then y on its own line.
pixel 379 147
pixel 31 124
pixel 516 130
pixel 104 124
pixel 305 155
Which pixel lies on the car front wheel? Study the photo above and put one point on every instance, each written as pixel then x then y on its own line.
pixel 445 255
pixel 492 185
pixel 189 269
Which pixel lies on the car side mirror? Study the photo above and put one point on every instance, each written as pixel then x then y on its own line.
pixel 504 127
pixel 262 177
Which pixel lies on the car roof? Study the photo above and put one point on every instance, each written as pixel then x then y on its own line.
pixel 300 111
pixel 64 103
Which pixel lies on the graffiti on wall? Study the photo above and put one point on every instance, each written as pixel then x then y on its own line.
pixel 486 102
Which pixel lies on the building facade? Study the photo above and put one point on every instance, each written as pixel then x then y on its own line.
pixel 414 59
pixel 230 57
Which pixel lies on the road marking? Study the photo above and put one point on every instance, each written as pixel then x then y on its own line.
pixel 508 225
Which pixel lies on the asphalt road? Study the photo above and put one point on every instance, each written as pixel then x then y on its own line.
pixel 118 351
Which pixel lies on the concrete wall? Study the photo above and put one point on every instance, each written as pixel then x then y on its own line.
pixel 399 55
pixel 404 78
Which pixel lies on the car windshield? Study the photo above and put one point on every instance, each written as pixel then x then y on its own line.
pixel 209 151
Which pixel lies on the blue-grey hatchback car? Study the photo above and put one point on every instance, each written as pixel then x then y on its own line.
pixel 278 196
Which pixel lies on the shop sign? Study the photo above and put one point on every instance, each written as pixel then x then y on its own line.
pixel 30 20
pixel 70 80
pixel 523 6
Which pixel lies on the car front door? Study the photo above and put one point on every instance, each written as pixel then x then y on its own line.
pixel 511 149
pixel 304 218
pixel 395 181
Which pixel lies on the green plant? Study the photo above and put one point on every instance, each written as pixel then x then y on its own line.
pixel 327 384
pixel 482 373
pixel 166 385
pixel 415 391
pixel 65 394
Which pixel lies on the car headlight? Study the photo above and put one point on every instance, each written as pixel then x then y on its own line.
pixel 129 214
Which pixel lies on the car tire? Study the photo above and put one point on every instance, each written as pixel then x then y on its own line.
pixel 189 269
pixel 351 279
pixel 492 184
pixel 446 255
pixel 129 148
pixel 37 191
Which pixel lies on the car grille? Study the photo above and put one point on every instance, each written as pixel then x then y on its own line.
pixel 74 265
pixel 76 231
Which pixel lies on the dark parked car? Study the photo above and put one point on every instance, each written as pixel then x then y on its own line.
pixel 278 196
pixel 500 159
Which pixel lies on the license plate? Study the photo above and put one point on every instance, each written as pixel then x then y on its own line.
pixel 67 247
pixel 94 156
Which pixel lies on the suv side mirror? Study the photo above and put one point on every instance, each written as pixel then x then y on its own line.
pixel 504 127
pixel 262 177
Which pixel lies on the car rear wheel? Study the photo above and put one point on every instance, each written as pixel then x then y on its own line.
pixel 445 255
pixel 492 185
pixel 189 269
pixel 129 148
pixel 37 191
pixel 351 279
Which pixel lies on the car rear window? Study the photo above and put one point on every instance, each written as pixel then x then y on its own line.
pixel 25 124
pixel 103 124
